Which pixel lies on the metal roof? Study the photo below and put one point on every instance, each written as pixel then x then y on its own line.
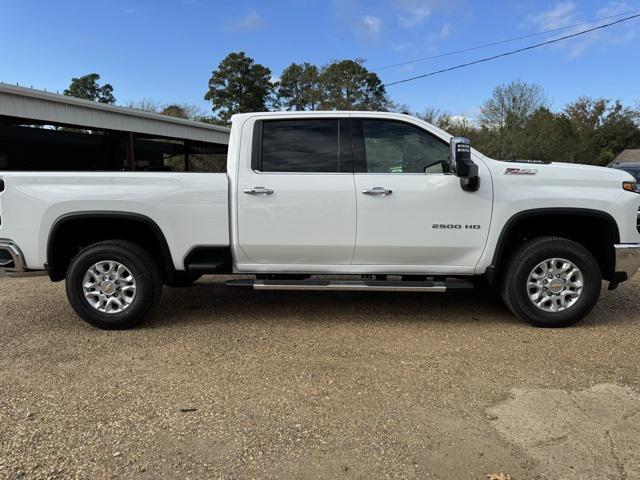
pixel 49 107
pixel 628 156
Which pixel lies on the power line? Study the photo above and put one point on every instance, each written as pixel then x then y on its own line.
pixel 512 52
pixel 501 42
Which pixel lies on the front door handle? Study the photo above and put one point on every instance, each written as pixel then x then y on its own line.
pixel 258 191
pixel 377 191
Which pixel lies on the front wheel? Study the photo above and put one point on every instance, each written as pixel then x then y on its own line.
pixel 551 282
pixel 113 285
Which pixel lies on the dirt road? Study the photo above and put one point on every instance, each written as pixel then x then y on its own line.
pixel 237 384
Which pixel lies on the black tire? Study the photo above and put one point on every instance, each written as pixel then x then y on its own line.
pixel 139 263
pixel 182 279
pixel 514 282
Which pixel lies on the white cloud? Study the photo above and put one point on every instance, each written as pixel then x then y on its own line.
pixel 414 13
pixel 566 13
pixel 437 36
pixel 371 25
pixel 562 14
pixel 614 8
pixel 630 31
pixel 413 16
pixel 444 32
pixel 250 21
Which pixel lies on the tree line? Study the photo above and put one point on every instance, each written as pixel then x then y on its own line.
pixel 515 122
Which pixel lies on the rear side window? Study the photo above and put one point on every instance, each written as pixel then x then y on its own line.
pixel 311 145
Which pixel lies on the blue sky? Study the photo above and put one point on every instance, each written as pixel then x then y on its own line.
pixel 165 50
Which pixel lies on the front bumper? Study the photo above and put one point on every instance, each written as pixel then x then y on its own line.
pixel 11 258
pixel 627 260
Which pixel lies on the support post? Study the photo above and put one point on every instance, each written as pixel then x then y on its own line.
pixel 131 154
pixel 187 147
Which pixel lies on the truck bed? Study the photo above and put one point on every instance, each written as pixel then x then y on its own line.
pixel 191 209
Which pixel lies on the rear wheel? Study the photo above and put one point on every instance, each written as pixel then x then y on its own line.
pixel 113 285
pixel 551 282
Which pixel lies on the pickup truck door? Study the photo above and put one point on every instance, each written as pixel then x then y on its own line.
pixel 295 195
pixel 409 216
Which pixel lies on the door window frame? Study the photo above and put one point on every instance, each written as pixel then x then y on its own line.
pixel 360 154
pixel 345 146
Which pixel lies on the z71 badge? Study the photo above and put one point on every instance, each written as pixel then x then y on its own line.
pixel 520 171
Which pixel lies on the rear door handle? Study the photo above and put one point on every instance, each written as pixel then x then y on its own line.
pixel 377 191
pixel 258 191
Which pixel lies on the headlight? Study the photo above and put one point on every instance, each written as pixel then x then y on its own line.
pixel 631 187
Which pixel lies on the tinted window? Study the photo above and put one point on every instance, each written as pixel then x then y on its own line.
pixel 300 146
pixel 396 147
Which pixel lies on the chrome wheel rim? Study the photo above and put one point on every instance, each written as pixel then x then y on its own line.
pixel 555 285
pixel 109 287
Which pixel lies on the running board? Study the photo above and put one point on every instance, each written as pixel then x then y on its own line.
pixel 352 285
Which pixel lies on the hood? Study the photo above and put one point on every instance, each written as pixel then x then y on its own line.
pixel 561 171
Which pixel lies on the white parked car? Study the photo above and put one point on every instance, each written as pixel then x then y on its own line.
pixel 386 198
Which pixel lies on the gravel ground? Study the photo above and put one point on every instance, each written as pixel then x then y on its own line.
pixel 234 384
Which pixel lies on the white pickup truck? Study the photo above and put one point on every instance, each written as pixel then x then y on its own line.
pixel 385 201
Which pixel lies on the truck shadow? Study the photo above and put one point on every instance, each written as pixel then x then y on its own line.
pixel 211 301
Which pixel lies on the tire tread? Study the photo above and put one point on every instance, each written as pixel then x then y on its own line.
pixel 509 284
pixel 149 271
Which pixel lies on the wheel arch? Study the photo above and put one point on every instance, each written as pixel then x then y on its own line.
pixel 130 226
pixel 562 222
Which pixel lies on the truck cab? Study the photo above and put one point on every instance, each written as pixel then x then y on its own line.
pixel 352 193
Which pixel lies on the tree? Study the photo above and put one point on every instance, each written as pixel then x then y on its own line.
pixel 239 85
pixel 437 117
pixel 549 136
pixel 603 129
pixel 515 101
pixel 178 110
pixel 87 87
pixel 507 111
pixel 174 111
pixel 299 87
pixel 587 114
pixel 395 107
pixel 145 105
pixel 183 110
pixel 348 85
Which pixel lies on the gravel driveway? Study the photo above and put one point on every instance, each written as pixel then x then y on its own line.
pixel 235 384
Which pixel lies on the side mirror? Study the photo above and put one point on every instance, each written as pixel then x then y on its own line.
pixel 462 165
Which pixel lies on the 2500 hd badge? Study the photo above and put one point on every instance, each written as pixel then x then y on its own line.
pixel 455 226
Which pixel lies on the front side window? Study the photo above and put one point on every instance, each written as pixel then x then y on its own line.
pixel 397 147
pixel 300 146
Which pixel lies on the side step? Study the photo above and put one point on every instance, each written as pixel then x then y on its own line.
pixel 353 285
